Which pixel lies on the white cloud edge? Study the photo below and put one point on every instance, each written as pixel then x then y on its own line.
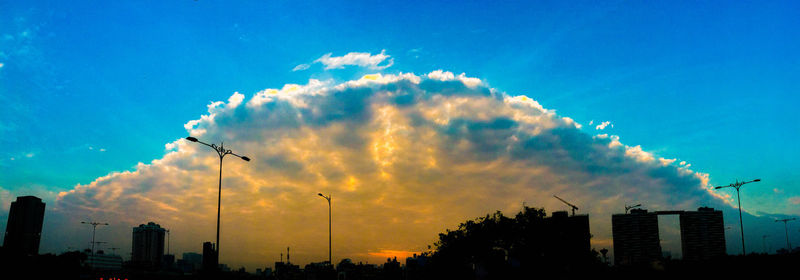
pixel 362 59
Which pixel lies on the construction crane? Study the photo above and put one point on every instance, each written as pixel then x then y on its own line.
pixel 627 208
pixel 567 203
pixel 786 228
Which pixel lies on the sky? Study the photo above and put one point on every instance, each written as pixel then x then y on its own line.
pixel 414 116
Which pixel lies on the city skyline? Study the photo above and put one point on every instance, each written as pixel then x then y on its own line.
pixel 580 101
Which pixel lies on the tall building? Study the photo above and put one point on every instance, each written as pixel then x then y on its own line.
pixel 24 227
pixel 210 261
pixel 191 262
pixel 702 234
pixel 148 245
pixel 568 237
pixel 636 238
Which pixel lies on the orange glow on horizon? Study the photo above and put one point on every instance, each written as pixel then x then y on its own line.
pixel 401 255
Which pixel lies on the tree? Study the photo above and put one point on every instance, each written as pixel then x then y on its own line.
pixel 500 247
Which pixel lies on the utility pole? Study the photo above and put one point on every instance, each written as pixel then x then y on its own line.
pixel 738 185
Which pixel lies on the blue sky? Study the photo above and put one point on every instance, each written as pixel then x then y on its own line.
pixel 96 87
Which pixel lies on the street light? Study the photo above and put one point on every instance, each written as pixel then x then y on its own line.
pixel 94 227
pixel 786 228
pixel 221 151
pixel 330 243
pixel 738 185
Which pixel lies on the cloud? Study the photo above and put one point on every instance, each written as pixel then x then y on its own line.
pixel 97 149
pixel 602 125
pixel 301 67
pixel 404 157
pixel 362 59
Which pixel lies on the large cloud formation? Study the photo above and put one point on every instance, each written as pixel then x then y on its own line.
pixel 403 156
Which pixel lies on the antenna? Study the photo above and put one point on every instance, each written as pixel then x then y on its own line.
pixel 567 203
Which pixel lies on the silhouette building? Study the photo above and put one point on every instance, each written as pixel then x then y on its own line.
pixel 24 227
pixel 636 238
pixel 702 234
pixel 568 236
pixel 148 245
pixel 190 262
pixel 103 262
pixel 210 261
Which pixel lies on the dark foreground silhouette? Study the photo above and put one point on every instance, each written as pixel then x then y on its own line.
pixel 528 245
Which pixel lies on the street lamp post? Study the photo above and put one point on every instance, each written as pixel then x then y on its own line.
pixel 330 243
pixel 738 185
pixel 222 152
pixel 786 228
pixel 94 228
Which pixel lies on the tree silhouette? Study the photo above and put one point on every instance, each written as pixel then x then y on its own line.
pixel 500 247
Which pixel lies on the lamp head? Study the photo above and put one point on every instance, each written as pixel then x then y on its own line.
pixel 246 158
pixel 190 138
pixel 757 180
pixel 716 188
pixel 320 194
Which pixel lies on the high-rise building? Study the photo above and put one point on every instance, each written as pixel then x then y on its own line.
pixel 148 245
pixel 210 261
pixel 702 234
pixel 192 261
pixel 568 237
pixel 24 227
pixel 636 238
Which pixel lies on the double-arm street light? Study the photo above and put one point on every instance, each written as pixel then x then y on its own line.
pixel 786 228
pixel 222 152
pixel 330 243
pixel 738 185
pixel 94 228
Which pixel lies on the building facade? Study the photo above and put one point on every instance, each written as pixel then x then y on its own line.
pixel 636 239
pixel 103 262
pixel 568 237
pixel 210 261
pixel 702 234
pixel 148 246
pixel 24 226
